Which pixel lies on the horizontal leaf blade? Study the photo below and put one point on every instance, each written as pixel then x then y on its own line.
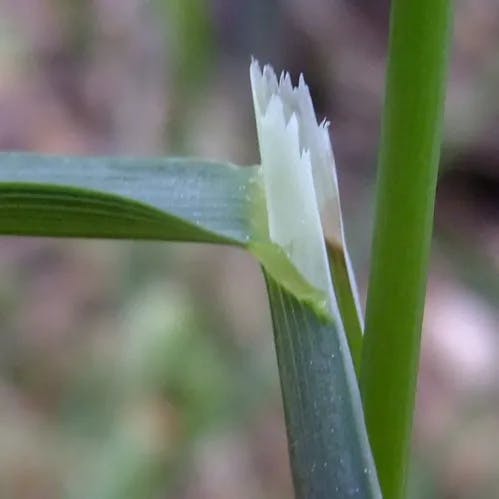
pixel 170 199
pixel 132 198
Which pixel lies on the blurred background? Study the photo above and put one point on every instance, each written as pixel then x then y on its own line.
pixel 138 370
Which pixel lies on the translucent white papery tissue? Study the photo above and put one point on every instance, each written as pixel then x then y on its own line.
pixel 298 175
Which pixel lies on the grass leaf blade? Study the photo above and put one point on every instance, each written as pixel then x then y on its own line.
pixel 132 198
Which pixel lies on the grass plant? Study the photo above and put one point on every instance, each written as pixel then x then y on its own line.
pixel 344 393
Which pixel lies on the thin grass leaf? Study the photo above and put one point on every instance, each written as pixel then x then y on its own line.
pixel 131 198
pixel 170 199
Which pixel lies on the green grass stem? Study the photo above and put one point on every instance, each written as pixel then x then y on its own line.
pixel 407 176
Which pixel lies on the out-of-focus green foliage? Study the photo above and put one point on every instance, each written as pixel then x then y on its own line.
pixel 172 384
pixel 189 34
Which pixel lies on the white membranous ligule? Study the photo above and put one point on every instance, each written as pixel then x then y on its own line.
pixel 290 141
pixel 313 137
pixel 299 174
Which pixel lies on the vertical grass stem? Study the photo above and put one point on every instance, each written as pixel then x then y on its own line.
pixel 407 174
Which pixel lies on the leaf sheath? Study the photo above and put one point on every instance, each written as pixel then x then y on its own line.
pixel 328 445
